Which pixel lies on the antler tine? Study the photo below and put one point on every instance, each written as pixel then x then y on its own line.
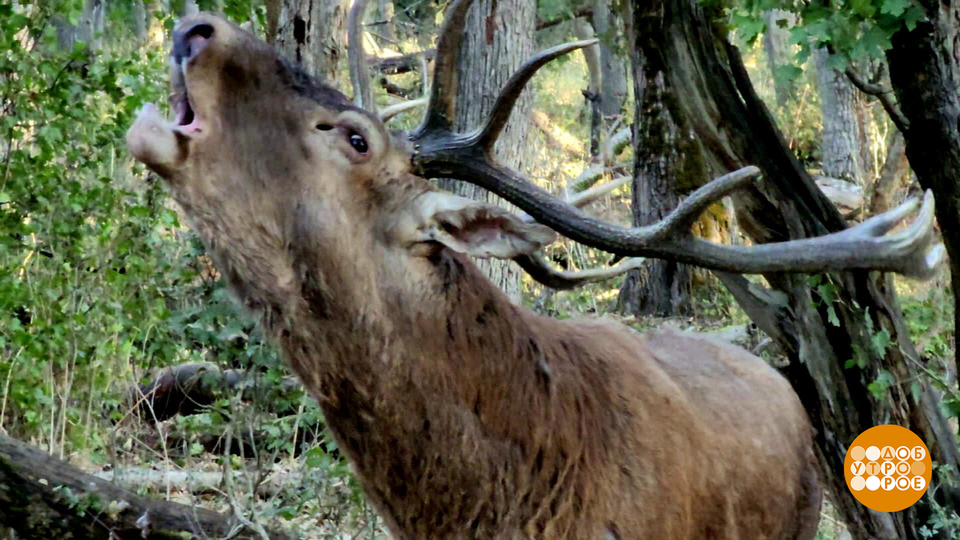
pixel 862 247
pixel 443 93
pixel 511 91
pixel 687 212
pixel 363 95
pixel 541 271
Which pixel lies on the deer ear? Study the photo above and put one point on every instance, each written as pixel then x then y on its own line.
pixel 472 227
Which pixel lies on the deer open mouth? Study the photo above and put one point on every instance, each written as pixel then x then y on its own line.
pixel 186 119
pixel 183 110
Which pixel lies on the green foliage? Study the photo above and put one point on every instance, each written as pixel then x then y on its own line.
pixel 854 30
pixel 99 281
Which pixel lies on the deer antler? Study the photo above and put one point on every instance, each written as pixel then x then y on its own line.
pixel 359 75
pixel 439 152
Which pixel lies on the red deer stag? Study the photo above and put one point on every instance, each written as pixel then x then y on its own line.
pixel 464 415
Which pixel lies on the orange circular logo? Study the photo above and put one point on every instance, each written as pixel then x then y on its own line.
pixel 888 468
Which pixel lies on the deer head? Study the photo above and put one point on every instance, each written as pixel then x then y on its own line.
pixel 464 414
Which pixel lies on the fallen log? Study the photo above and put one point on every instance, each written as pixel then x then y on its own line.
pixel 195 482
pixel 394 65
pixel 187 389
pixel 42 497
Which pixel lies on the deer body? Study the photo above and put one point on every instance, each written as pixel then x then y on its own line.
pixel 464 415
pixel 472 417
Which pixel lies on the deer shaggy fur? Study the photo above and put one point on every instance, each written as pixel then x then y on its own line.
pixel 463 415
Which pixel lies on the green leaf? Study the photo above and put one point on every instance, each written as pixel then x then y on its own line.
pixel 832 316
pixel 894 7
pixel 863 8
pixel 872 43
pixel 913 15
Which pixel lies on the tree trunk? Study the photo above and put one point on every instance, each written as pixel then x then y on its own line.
pixel 90 29
pixel 777 49
pixel 42 497
pixel 385 14
pixel 841 142
pixel 667 159
pixel 613 74
pixel 311 33
pixel 497 38
pixel 892 176
pixel 591 55
pixel 139 13
pixel 925 73
pixel 823 323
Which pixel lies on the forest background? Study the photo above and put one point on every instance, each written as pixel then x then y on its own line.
pixel 122 353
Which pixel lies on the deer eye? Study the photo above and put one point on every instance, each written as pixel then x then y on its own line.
pixel 324 127
pixel 358 143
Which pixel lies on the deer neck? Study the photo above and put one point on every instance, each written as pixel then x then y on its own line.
pixel 426 399
pixel 391 347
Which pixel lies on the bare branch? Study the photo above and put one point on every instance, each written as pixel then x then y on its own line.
pixel 883 95
pixel 394 65
pixel 593 174
pixel 582 12
pixel 359 76
pixel 615 144
pixel 595 193
pixel 557 136
pixel 511 91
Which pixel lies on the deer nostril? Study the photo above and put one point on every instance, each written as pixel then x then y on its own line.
pixel 203 30
pixel 189 42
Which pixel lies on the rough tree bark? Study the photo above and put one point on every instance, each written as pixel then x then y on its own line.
pixel 667 162
pixel 498 37
pixel 776 48
pixel 925 73
pixel 844 133
pixel 88 29
pixel 892 175
pixel 591 54
pixel 735 128
pixel 312 33
pixel 613 75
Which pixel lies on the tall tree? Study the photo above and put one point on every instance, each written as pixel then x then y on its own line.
pixel 842 142
pixel 776 49
pixel 842 333
pixel 613 80
pixel 498 37
pixel 925 73
pixel 312 33
pixel 667 162
pixel 584 30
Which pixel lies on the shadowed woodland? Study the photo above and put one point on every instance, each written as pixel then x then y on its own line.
pixel 139 399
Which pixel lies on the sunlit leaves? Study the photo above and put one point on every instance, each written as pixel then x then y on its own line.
pixel 853 30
